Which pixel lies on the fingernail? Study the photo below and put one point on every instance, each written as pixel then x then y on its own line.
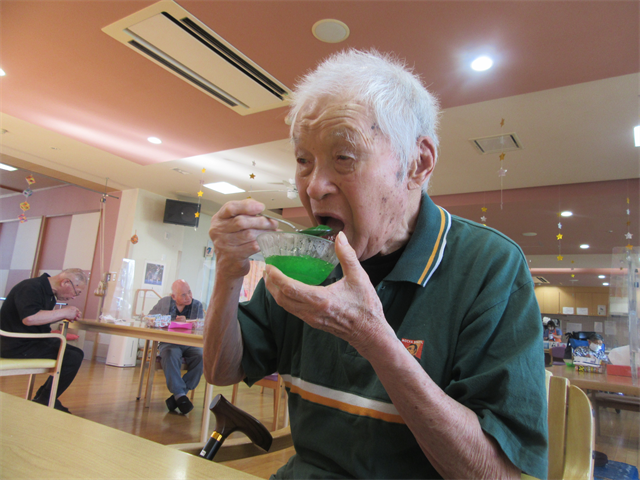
pixel 341 238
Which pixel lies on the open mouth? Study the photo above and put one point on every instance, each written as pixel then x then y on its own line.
pixel 336 225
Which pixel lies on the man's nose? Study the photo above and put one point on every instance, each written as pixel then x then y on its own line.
pixel 319 184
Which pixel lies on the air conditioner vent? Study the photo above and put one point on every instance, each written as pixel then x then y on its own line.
pixel 540 280
pixel 497 143
pixel 174 39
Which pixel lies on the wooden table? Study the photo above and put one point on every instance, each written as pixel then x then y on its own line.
pixel 43 443
pixel 596 381
pixel 192 338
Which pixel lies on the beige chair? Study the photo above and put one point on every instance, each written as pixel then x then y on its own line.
pixel 33 366
pixel 571 431
pixel 274 382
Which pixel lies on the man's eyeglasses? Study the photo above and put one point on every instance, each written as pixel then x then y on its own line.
pixel 75 292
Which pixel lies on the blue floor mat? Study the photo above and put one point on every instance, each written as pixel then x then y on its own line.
pixel 616 471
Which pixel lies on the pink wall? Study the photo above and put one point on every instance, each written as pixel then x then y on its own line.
pixel 55 203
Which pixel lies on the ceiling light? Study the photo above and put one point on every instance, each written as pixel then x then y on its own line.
pixel 584 246
pixel 529 234
pixel 8 168
pixel 481 64
pixel 179 170
pixel 2 73
pixel 155 140
pixel 636 135
pixel 224 187
pixel 566 213
pixel 330 30
pixel 602 276
pixel 606 284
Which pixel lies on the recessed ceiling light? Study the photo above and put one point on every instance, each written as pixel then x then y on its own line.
pixel 529 234
pixel 584 246
pixel 566 213
pixel 224 187
pixel 2 73
pixel 606 284
pixel 154 140
pixel 636 135
pixel 602 276
pixel 330 30
pixel 9 168
pixel 481 64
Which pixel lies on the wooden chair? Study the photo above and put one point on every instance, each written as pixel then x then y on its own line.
pixel 147 355
pixel 33 366
pixel 274 382
pixel 571 431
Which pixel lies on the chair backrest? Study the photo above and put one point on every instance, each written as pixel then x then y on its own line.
pixel 571 431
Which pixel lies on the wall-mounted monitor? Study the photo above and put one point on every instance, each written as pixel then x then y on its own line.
pixel 181 213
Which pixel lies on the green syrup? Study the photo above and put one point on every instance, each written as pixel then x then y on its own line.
pixel 305 269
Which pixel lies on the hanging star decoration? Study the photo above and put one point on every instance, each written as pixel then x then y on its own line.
pixel 559 238
pixel 200 194
pixel 27 192
pixel 483 218
pixel 502 172
pixel 252 176
pixel 628 235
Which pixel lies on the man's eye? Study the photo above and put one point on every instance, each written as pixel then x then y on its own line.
pixel 301 160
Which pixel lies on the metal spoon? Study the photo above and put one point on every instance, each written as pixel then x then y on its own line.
pixel 317 231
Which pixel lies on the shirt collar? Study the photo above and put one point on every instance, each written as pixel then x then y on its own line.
pixel 425 249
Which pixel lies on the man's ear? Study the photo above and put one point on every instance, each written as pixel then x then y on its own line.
pixel 422 166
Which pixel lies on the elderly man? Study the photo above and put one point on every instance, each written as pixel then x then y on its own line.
pixel 471 403
pixel 181 306
pixel 29 308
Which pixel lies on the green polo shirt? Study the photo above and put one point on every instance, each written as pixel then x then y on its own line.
pixel 461 296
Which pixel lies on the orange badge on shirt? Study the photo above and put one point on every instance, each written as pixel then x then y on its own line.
pixel 414 347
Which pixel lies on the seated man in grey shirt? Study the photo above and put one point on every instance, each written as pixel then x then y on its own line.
pixel 181 306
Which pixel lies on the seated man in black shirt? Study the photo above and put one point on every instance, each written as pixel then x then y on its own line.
pixel 29 308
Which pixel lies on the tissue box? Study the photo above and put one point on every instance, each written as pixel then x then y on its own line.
pixel 181 325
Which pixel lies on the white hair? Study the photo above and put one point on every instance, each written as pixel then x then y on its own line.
pixel 402 107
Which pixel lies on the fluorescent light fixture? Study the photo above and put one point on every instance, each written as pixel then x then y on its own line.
pixel 566 213
pixel 606 284
pixel 529 234
pixel 154 140
pixel 8 168
pixel 584 246
pixel 224 187
pixel 636 135
pixel 2 73
pixel 602 276
pixel 481 64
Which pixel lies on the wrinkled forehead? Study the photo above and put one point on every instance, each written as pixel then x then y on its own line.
pixel 329 118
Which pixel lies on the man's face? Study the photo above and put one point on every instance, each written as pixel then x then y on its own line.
pixel 182 295
pixel 349 178
pixel 68 290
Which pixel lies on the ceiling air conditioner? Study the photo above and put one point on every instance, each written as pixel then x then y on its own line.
pixel 176 40
pixel 540 280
